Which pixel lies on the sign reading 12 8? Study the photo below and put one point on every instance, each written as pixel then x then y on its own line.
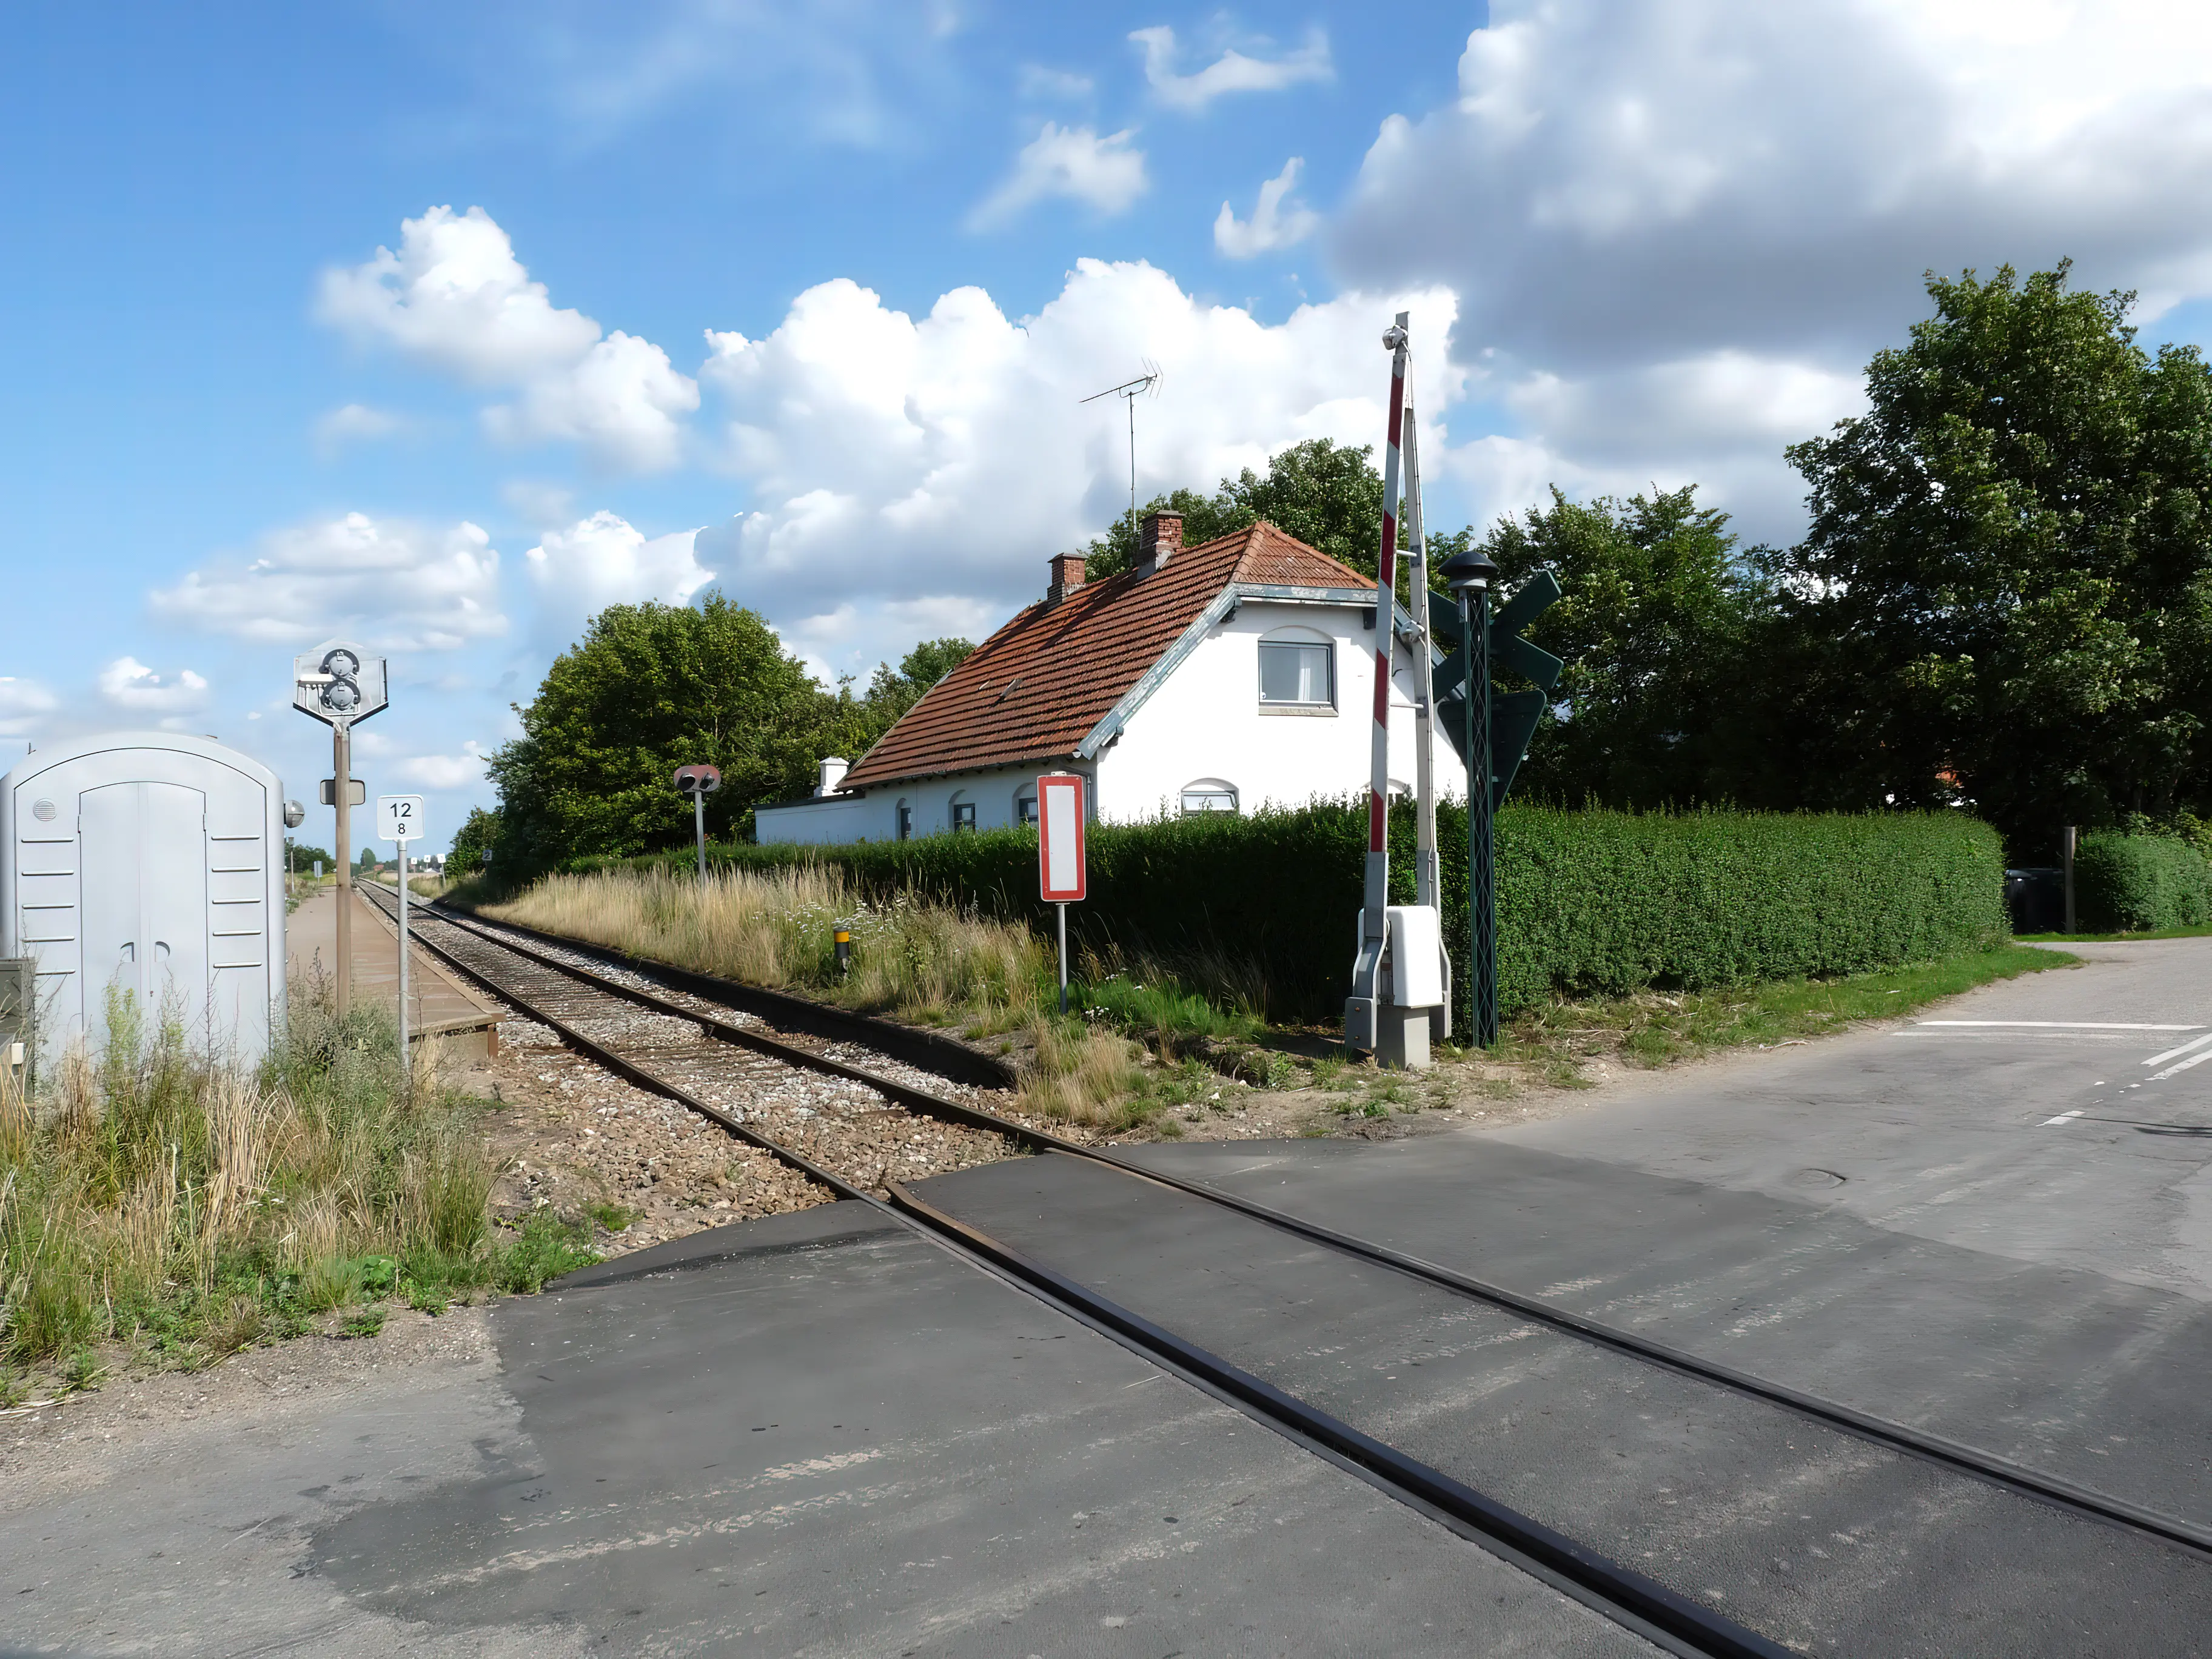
pixel 398 818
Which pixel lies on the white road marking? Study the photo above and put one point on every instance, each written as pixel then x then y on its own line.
pixel 2196 1059
pixel 2063 1117
pixel 2173 1054
pixel 2065 1024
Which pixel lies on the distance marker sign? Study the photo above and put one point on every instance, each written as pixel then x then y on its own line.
pixel 398 818
pixel 1062 878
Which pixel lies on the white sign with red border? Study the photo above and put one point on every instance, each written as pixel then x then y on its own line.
pixel 1061 876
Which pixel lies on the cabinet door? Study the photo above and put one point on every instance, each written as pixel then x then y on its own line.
pixel 145 901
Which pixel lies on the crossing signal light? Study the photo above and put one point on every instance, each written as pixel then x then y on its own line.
pixel 1513 714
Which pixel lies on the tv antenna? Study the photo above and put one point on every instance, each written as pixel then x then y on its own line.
pixel 1147 384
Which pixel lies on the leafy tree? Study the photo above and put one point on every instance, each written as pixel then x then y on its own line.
pixel 2005 597
pixel 892 691
pixel 649 688
pixel 1654 611
pixel 1329 496
pixel 305 858
pixel 479 834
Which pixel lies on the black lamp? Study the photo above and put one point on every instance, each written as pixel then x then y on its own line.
pixel 1469 570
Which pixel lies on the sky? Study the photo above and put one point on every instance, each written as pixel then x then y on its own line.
pixel 440 328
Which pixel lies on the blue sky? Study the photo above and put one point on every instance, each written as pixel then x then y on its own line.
pixel 441 326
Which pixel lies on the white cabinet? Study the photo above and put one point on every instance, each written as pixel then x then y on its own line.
pixel 149 865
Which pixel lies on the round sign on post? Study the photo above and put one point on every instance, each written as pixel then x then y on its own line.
pixel 699 782
pixel 1062 877
pixel 338 683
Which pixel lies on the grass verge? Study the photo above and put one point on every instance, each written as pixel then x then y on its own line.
pixel 184 1208
pixel 1550 1043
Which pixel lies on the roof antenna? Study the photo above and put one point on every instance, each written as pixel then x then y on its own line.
pixel 1148 382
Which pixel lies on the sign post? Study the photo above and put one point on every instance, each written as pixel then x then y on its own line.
pixel 699 782
pixel 400 819
pixel 337 684
pixel 1062 877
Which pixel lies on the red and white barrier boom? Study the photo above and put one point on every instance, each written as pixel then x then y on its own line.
pixel 1399 978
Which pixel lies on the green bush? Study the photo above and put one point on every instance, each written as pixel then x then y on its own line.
pixel 1588 901
pixel 2141 883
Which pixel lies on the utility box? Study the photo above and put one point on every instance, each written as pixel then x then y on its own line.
pixel 150 864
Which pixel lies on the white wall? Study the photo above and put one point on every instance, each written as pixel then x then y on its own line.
pixel 1206 722
pixel 875 816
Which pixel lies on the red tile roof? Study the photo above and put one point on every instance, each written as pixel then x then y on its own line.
pixel 1035 689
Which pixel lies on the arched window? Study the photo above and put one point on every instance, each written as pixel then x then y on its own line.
pixel 963 813
pixel 1298 670
pixel 906 820
pixel 1025 807
pixel 1208 795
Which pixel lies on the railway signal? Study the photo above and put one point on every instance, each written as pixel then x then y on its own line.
pixel 339 683
pixel 1063 876
pixel 699 782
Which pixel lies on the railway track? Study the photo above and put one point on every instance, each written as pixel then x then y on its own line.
pixel 865 1140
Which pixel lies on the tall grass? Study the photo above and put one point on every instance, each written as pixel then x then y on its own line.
pixel 921 960
pixel 190 1205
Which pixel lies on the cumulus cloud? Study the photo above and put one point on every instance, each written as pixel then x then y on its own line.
pixel 445 771
pixel 1230 72
pixel 128 685
pixel 1275 222
pixel 605 560
pixel 24 705
pixel 395 584
pixel 897 459
pixel 351 424
pixel 1673 222
pixel 1073 162
pixel 455 300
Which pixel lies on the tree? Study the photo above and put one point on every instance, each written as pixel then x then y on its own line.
pixel 649 688
pixel 1329 496
pixel 303 859
pixel 893 691
pixel 479 834
pixel 1654 611
pixel 2005 597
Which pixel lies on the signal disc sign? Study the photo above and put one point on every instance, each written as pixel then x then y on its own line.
pixel 1062 878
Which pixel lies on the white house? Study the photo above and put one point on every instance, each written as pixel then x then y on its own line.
pixel 1221 678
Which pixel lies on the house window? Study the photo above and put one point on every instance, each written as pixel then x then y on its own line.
pixel 963 815
pixel 905 820
pixel 1297 674
pixel 1208 795
pixel 1025 809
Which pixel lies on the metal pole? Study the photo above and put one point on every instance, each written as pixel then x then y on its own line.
pixel 1482 895
pixel 1063 958
pixel 342 794
pixel 1377 896
pixel 699 826
pixel 2069 853
pixel 405 1069
pixel 1427 888
pixel 1131 400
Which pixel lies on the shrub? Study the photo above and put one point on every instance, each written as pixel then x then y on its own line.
pixel 1258 909
pixel 2141 883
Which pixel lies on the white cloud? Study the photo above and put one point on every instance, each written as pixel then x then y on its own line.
pixel 128 685
pixel 445 771
pixel 1073 162
pixel 24 705
pixel 1678 230
pixel 456 300
pixel 1230 72
pixel 603 560
pixel 352 423
pixel 1273 225
pixel 900 460
pixel 1039 82
pixel 397 585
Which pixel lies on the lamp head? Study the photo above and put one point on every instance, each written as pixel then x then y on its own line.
pixel 1469 570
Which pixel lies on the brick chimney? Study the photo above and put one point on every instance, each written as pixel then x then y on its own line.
pixel 1067 570
pixel 1159 540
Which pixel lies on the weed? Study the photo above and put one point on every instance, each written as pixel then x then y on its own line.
pixel 615 1218
pixel 83 1370
pixel 1328 1070
pixel 548 1247
pixel 368 1322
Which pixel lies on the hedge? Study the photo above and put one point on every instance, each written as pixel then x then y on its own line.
pixel 1590 902
pixel 2127 884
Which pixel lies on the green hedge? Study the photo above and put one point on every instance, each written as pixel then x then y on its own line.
pixel 1588 901
pixel 2140 883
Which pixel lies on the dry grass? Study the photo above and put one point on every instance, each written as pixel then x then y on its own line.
pixel 921 961
pixel 188 1206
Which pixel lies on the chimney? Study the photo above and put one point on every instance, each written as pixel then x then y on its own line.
pixel 1159 540
pixel 1067 570
pixel 833 774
